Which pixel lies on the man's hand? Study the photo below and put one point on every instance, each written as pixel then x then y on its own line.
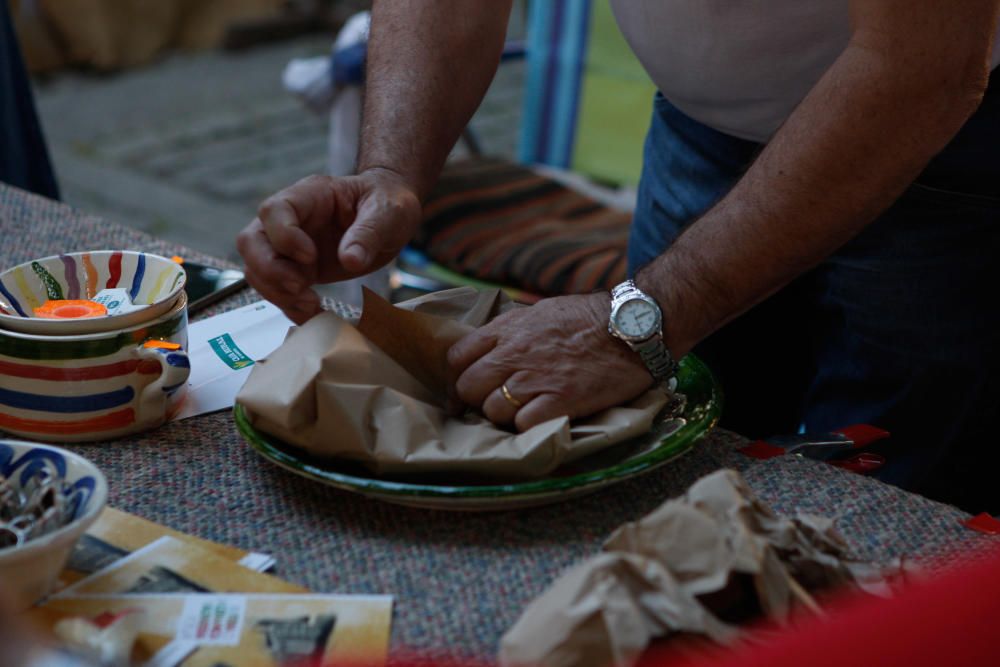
pixel 556 358
pixel 429 64
pixel 324 229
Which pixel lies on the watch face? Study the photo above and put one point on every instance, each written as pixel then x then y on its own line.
pixel 637 318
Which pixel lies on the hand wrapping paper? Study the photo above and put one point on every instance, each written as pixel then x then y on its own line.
pixel 714 553
pixel 375 393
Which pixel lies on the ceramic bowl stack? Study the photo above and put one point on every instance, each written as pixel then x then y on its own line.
pixel 92 345
pixel 48 498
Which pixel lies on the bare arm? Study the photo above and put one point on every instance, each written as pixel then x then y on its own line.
pixel 913 73
pixel 429 65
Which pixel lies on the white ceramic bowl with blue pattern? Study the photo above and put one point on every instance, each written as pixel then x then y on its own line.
pixel 29 571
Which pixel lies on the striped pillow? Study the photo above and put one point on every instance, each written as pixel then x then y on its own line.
pixel 502 223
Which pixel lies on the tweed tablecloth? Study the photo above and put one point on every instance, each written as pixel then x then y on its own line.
pixel 459 580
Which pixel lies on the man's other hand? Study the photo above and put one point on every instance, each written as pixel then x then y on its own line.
pixel 325 229
pixel 555 358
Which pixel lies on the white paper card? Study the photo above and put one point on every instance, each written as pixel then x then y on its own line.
pixel 222 350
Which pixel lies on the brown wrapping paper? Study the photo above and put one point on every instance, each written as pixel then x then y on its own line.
pixel 375 393
pixel 682 568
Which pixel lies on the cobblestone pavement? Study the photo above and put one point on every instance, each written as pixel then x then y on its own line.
pixel 187 147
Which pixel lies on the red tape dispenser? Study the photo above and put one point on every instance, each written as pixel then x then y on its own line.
pixel 983 523
pixel 830 447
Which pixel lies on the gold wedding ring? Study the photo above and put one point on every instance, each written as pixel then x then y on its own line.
pixel 510 399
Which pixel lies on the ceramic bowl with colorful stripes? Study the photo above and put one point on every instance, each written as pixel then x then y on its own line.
pixel 151 281
pixel 94 386
pixel 29 571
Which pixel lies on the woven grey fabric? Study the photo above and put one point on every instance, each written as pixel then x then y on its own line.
pixel 460 580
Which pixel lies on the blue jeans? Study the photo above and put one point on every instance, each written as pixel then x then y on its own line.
pixel 900 328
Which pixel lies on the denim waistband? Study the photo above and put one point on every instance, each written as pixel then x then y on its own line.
pixel 970 163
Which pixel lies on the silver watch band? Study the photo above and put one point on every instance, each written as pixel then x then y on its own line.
pixel 624 291
pixel 656 356
pixel 653 352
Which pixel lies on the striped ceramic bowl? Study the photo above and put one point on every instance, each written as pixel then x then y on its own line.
pixel 94 386
pixel 150 280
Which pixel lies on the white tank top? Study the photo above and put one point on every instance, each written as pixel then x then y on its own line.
pixel 739 66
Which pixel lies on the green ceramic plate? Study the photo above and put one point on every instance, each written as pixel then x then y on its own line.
pixel 672 437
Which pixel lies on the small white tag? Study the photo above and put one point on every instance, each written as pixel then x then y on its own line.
pixel 212 619
pixel 116 300
pixel 258 562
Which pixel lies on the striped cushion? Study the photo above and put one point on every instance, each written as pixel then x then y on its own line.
pixel 503 223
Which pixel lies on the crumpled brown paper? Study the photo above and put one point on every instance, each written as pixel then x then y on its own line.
pixel 375 393
pixel 680 569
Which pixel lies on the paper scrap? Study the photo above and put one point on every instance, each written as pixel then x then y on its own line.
pixel 258 562
pixel 700 564
pixel 223 349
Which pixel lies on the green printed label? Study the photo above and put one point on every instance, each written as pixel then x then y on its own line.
pixel 230 353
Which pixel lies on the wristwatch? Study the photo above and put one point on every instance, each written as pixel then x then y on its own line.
pixel 636 320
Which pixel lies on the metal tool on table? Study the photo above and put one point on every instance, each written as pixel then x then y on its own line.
pixel 838 448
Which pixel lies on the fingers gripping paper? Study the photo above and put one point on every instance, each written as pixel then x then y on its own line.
pixel 375 393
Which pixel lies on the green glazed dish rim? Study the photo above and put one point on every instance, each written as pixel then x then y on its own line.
pixel 701 412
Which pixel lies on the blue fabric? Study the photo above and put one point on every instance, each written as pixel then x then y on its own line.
pixel 557 45
pixel 900 328
pixel 347 66
pixel 24 160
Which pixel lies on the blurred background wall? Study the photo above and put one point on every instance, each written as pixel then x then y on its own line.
pixel 109 35
pixel 170 116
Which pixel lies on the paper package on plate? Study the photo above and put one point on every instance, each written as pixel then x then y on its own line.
pixel 375 393
pixel 697 564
